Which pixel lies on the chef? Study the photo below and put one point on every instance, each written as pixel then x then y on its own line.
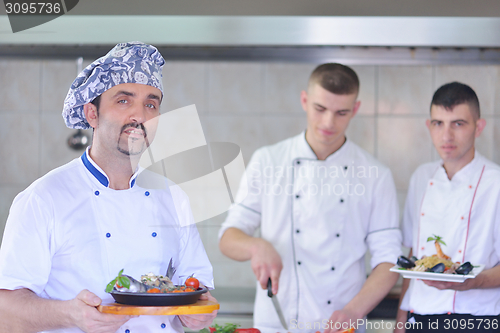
pixel 457 199
pixel 321 202
pixel 71 231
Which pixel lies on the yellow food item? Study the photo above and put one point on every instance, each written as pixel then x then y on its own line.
pixel 429 262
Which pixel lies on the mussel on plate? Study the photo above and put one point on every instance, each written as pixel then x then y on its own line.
pixel 405 262
pixel 439 268
pixel 464 269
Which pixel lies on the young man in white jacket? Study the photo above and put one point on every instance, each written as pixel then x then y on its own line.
pixel 456 198
pixel 320 202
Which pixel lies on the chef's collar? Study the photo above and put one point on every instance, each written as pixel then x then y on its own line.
pixel 464 174
pixel 98 173
pixel 305 150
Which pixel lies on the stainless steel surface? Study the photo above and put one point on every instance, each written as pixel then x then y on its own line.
pixel 261 31
pixel 468 8
pixel 351 55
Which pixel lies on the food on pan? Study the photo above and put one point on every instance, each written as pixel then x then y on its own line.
pixel 437 263
pixel 151 284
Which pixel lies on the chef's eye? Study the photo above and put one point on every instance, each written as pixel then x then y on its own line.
pixel 458 124
pixel 342 113
pixel 319 109
pixel 151 106
pixel 122 101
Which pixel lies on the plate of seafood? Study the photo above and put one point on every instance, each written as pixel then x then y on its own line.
pixel 437 267
pixel 154 290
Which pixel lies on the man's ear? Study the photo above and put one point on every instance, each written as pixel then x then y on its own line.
pixel 428 123
pixel 303 99
pixel 90 112
pixel 480 124
pixel 356 107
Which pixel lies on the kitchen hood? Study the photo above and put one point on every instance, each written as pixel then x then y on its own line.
pixel 243 37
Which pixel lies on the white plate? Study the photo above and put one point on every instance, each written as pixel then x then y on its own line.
pixel 437 276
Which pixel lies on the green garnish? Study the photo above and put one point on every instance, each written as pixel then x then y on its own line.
pixel 122 281
pixel 436 239
pixel 228 328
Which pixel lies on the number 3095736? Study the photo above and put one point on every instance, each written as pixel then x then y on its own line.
pixel 40 8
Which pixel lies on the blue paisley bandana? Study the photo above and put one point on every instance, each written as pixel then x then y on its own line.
pixel 133 62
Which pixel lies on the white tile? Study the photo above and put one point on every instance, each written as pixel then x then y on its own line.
pixel 483 79
pixel 20 82
pixel 245 131
pixel 283 84
pixel 185 83
pixel 367 93
pixel 54 148
pixel 404 89
pixel 211 243
pixel 230 273
pixel 7 193
pixel 235 88
pixel 361 131
pixel 19 134
pixel 495 123
pixel 403 144
pixel 57 77
pixel 401 202
pixel 496 106
pixel 277 128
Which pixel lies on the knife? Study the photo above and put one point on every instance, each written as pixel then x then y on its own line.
pixel 276 304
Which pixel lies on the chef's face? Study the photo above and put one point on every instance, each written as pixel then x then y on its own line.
pixel 328 115
pixel 453 133
pixel 127 118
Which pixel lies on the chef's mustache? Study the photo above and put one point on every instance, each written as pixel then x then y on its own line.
pixel 135 125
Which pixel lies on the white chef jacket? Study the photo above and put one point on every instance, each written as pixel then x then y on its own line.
pixel 68 231
pixel 465 211
pixel 321 216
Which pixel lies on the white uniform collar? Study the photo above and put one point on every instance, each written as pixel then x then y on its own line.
pixel 305 151
pixel 464 174
pixel 98 173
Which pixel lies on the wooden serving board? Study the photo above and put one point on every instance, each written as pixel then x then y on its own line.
pixel 135 310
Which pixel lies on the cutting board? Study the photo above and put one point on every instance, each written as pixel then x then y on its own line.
pixel 123 309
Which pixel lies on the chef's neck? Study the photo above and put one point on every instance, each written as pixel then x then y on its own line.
pixel 322 150
pixel 453 166
pixel 119 168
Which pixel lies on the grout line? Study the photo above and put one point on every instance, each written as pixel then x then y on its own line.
pixel 40 102
pixel 433 154
pixel 262 112
pixel 376 99
pixel 207 86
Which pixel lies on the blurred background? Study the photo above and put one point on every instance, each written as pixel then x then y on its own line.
pixel 248 94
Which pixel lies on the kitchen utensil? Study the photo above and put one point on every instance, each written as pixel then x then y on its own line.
pixel 276 304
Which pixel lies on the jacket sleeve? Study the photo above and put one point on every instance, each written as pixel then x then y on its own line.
pixel 27 245
pixel 384 235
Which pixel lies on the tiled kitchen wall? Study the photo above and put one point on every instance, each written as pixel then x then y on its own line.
pixel 249 103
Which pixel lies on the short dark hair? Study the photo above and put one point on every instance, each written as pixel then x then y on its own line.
pixel 336 78
pixel 454 93
pixel 97 102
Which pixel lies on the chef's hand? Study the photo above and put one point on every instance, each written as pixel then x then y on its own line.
pixel 84 315
pixel 341 320
pixel 266 263
pixel 461 286
pixel 199 321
